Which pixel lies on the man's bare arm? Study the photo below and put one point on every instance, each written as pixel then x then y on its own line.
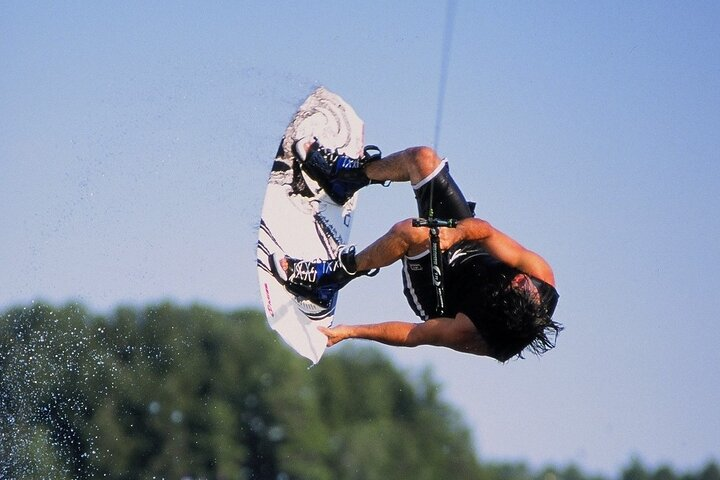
pixel 457 333
pixel 396 334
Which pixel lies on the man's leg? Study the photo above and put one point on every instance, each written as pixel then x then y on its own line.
pixel 402 239
pixel 415 165
pixel 320 279
pixel 412 164
pixel 341 176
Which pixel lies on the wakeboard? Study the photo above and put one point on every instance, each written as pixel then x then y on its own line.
pixel 300 220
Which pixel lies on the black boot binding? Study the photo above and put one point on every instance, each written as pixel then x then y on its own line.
pixel 338 174
pixel 318 280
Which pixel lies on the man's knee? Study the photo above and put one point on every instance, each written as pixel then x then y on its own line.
pixel 424 160
pixel 411 235
pixel 425 156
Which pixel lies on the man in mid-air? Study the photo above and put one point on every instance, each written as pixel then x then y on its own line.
pixel 499 297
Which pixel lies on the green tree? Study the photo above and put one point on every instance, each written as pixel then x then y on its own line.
pixel 710 472
pixel 664 472
pixel 635 471
pixel 172 392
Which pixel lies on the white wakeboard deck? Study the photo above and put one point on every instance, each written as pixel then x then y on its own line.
pixel 300 220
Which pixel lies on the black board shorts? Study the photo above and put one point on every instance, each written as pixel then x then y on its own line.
pixel 448 202
pixel 447 199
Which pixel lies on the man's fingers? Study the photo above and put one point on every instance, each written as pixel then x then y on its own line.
pixel 328 333
pixel 448 238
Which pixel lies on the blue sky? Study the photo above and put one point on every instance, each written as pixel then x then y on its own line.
pixel 136 139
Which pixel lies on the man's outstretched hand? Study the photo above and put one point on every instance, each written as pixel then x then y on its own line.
pixel 335 334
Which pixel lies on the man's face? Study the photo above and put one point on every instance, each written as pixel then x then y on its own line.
pixel 522 283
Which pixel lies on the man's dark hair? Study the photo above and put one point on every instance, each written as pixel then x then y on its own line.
pixel 510 318
pixel 519 321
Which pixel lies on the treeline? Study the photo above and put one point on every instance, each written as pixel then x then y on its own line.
pixel 174 392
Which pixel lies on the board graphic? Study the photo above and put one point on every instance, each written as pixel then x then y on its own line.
pixel 298 219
